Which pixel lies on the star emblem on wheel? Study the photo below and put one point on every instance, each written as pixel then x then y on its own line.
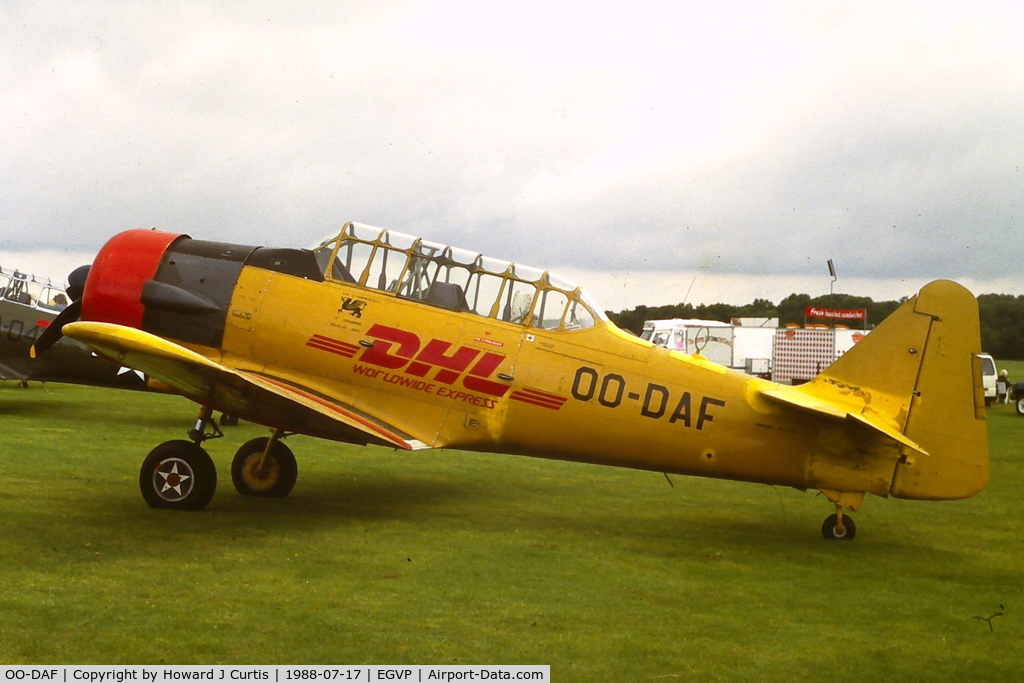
pixel 173 479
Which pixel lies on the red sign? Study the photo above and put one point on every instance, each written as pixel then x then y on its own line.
pixel 836 313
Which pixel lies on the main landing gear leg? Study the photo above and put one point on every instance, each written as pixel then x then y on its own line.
pixel 179 474
pixel 198 434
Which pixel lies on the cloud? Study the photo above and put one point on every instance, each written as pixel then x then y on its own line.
pixel 740 138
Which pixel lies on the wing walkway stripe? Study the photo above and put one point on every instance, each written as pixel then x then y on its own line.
pixel 386 433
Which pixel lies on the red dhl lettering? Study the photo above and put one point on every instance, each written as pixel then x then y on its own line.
pixel 396 349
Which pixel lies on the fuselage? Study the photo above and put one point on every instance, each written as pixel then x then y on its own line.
pixel 464 352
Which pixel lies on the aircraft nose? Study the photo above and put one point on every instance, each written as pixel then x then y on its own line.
pixel 113 289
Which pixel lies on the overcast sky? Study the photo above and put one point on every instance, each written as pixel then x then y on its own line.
pixel 636 147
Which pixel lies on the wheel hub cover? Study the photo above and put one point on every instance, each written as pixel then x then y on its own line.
pixel 260 479
pixel 173 479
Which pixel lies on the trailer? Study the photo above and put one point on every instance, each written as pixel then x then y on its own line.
pixel 801 354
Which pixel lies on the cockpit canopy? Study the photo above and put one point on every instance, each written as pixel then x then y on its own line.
pixel 457 279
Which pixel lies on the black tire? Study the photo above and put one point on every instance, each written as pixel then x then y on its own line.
pixel 178 475
pixel 1020 406
pixel 830 531
pixel 279 470
pixel 227 420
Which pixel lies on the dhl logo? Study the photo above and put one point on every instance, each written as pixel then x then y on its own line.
pixel 395 349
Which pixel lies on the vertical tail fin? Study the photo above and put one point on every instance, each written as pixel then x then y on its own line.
pixel 920 369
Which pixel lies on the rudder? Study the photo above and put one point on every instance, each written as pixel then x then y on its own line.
pixel 947 414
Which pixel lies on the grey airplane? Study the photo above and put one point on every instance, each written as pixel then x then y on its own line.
pixel 27 307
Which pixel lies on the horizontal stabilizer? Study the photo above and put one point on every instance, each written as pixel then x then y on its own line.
pixel 802 399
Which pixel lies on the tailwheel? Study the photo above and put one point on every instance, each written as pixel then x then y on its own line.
pixel 264 467
pixel 839 527
pixel 178 475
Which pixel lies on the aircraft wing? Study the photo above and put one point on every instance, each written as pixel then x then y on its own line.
pixel 257 398
pixel 802 399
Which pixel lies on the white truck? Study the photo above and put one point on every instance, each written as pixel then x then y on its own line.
pixel 746 347
pixel 712 339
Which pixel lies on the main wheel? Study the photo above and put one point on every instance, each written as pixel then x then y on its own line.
pixel 178 475
pixel 1020 406
pixel 274 479
pixel 830 530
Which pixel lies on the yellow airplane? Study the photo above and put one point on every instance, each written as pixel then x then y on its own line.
pixel 376 337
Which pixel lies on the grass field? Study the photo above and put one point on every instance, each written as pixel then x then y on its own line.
pixel 445 558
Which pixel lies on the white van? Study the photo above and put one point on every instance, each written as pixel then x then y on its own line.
pixel 988 377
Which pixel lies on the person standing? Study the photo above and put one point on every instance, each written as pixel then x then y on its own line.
pixel 1003 387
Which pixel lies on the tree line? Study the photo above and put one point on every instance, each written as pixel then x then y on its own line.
pixel 1002 316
